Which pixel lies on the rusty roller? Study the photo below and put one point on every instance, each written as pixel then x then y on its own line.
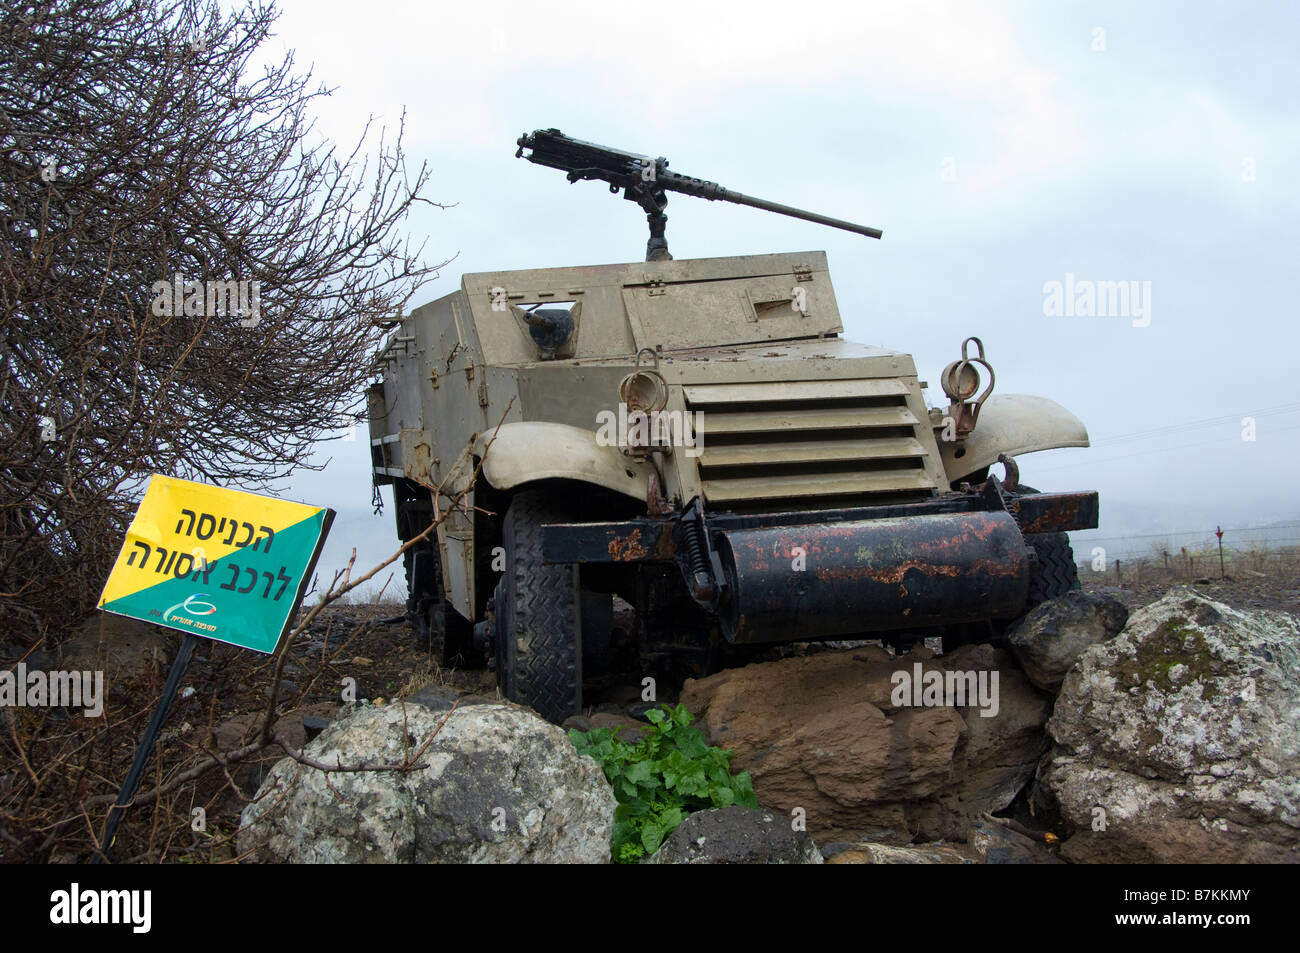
pixel 836 580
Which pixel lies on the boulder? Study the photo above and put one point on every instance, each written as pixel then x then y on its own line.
pixel 987 842
pixel 1050 639
pixel 629 730
pixel 1179 740
pixel 241 729
pixel 867 853
pixel 444 697
pixel 825 733
pixel 493 783
pixel 994 843
pixel 736 835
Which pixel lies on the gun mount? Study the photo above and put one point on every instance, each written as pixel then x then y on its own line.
pixel 647 181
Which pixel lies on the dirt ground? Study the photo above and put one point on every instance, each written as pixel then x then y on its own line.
pixel 60 771
pixel 1245 589
pixel 58 766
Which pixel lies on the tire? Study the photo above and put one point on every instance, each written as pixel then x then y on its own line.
pixel 438 627
pixel 422 581
pixel 1053 572
pixel 537 616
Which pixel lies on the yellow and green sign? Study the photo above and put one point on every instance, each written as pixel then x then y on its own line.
pixel 224 564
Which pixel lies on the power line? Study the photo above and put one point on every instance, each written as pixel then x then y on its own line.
pixel 1210 547
pixel 1192 532
pixel 1138 453
pixel 1198 424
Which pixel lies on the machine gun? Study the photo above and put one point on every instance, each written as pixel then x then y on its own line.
pixel 647 182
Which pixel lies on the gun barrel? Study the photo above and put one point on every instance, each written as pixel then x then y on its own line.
pixel 742 199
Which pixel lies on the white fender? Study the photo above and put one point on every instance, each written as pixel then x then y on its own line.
pixel 1012 424
pixel 526 451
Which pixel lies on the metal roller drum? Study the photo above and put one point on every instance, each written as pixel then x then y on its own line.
pixel 835 580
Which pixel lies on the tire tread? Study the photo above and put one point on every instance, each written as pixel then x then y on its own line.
pixel 542 609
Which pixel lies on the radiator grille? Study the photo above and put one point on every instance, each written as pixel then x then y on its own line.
pixel 810 443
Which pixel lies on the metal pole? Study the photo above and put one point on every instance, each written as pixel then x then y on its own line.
pixel 132 782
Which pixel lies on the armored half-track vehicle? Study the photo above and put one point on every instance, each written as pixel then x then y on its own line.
pixel 696 438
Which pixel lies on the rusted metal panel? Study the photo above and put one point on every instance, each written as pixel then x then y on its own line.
pixel 948 503
pixel 650 539
pixel 417 457
pixel 822 581
pixel 1055 512
pixel 625 542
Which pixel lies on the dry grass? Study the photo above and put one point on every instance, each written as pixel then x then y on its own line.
pixel 388 593
pixel 1168 564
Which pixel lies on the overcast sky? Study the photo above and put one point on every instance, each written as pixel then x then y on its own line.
pixel 1001 147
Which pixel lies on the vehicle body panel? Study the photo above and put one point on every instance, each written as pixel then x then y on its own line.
pixel 774 412
pixel 1013 424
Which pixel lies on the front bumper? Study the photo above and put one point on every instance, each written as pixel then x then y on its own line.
pixel 796 576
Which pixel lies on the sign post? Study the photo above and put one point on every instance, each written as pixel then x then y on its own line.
pixel 210 562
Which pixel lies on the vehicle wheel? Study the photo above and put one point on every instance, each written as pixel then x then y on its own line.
pixel 1053 573
pixel 423 579
pixel 537 616
pixel 438 627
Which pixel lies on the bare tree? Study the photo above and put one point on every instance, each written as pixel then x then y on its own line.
pixel 191 279
pixel 62 776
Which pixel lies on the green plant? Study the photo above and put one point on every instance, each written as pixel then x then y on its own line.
pixel 662 778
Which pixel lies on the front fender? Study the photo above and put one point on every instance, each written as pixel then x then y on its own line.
pixel 525 451
pixel 1012 424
